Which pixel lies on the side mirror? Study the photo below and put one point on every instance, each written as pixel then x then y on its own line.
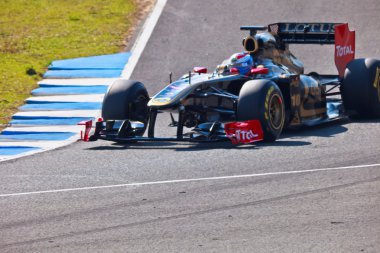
pixel 262 71
pixel 234 71
pixel 200 70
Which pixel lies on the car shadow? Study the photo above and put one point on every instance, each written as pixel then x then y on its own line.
pixel 195 146
pixel 173 145
pixel 364 120
pixel 329 129
pixel 182 146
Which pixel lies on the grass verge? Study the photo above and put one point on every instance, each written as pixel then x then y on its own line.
pixel 35 32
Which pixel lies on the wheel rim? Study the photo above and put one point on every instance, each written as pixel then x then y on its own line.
pixel 140 109
pixel 275 111
pixel 139 113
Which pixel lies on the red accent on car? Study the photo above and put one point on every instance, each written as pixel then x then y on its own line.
pixel 234 71
pixel 344 47
pixel 256 71
pixel 239 56
pixel 244 131
pixel 88 126
pixel 200 70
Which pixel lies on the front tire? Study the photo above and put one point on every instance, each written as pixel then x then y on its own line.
pixel 262 100
pixel 126 100
pixel 361 88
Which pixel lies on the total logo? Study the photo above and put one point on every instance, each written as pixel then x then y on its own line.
pixel 343 50
pixel 244 132
pixel 242 135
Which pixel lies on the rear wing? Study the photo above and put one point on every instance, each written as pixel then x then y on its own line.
pixel 304 33
pixel 337 34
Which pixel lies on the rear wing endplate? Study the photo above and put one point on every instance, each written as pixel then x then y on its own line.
pixel 344 47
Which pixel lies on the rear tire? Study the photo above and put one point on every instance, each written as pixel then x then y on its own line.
pixel 262 100
pixel 361 88
pixel 126 100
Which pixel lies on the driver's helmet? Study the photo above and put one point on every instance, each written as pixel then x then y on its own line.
pixel 242 62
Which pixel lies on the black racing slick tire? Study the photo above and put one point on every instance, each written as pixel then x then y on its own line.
pixel 262 100
pixel 361 88
pixel 126 100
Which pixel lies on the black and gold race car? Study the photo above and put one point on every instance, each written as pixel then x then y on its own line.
pixel 251 96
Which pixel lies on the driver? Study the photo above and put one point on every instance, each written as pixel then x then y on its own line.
pixel 241 62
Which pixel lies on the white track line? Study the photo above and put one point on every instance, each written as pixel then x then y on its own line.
pixel 65 98
pixel 79 81
pixel 62 113
pixel 191 180
pixel 46 129
pixel 143 38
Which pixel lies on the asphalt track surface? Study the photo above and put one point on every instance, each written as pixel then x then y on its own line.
pixel 321 211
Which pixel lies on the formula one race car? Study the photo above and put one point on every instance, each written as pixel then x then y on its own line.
pixel 251 96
